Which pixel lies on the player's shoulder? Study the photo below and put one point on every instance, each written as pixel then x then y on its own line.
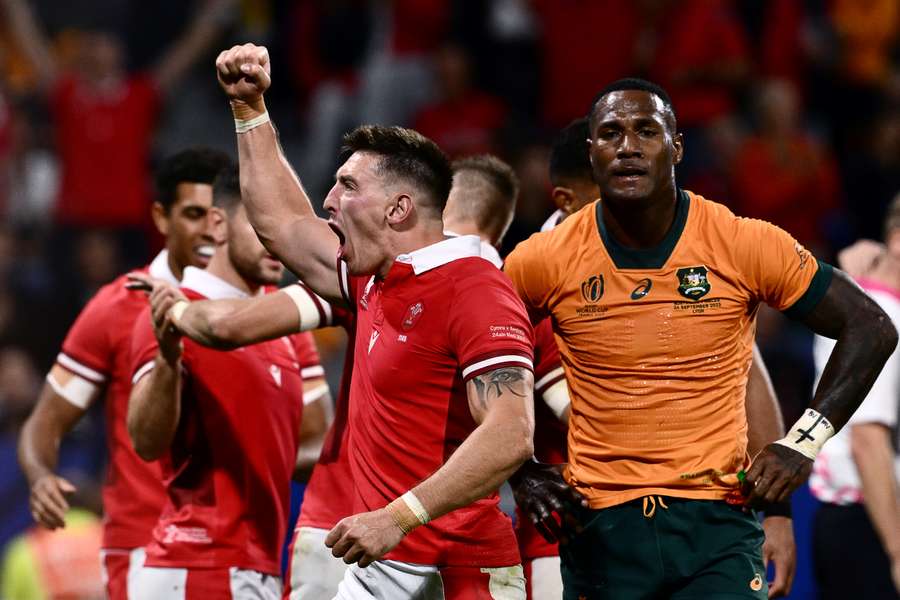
pixel 114 295
pixel 718 221
pixel 561 242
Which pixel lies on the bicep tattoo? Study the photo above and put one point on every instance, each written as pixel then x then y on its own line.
pixel 494 384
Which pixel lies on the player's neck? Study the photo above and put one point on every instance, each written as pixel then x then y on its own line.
pixel 408 241
pixel 174 266
pixel 464 228
pixel 220 266
pixel 636 224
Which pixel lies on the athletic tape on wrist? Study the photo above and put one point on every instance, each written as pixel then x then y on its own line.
pixel 177 310
pixel 416 507
pixel 808 434
pixel 245 125
pixel 402 516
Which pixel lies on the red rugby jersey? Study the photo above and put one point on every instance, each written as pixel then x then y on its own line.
pixel 441 316
pixel 228 470
pixel 98 349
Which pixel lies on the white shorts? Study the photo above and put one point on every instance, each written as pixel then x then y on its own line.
pixel 119 568
pixel 544 578
pixel 158 583
pixel 393 580
pixel 313 572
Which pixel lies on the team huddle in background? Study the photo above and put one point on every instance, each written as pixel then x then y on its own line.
pixel 606 369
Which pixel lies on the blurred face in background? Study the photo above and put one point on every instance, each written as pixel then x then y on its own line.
pixel 187 227
pixel 101 57
pixel 247 254
pixel 779 107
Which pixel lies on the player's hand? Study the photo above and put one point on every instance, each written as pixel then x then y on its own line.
pixel 540 491
pixel 244 73
pixel 364 538
pixel 774 475
pixel 48 500
pixel 780 549
pixel 857 260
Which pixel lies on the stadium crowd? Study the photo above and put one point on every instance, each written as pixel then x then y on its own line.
pixel 790 111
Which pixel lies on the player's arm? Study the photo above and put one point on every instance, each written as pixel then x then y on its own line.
pixel 318 413
pixel 154 406
pixel 63 401
pixel 501 404
pixel 872 451
pixel 765 426
pixel 201 33
pixel 277 205
pixel 234 322
pixel 865 340
pixel 23 27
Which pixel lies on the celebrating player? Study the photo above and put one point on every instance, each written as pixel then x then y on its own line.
pixel 225 425
pixel 95 359
pixel 440 409
pixel 654 293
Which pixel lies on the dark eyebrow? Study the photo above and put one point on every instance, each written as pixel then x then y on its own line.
pixel 346 180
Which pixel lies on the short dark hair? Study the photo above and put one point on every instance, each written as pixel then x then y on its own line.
pixel 492 211
pixel 405 154
pixel 569 156
pixel 194 165
pixel 227 190
pixel 642 85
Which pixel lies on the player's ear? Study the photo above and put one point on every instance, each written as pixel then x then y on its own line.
pixel 160 218
pixel 563 198
pixel 399 209
pixel 218 223
pixel 678 143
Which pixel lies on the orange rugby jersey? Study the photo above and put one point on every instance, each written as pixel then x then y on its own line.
pixel 656 344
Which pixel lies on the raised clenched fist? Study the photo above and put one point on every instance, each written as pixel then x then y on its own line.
pixel 244 73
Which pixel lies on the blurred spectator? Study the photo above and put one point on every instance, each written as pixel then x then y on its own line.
pixel 105 117
pixel 328 44
pixel 585 46
pixel 696 50
pixel 97 262
pixel 55 565
pixel 397 79
pixel 776 32
pixel 463 121
pixel 783 175
pixel 29 176
pixel 867 31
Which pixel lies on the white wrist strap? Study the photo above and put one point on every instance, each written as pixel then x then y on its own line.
pixel 416 507
pixel 245 125
pixel 177 310
pixel 808 434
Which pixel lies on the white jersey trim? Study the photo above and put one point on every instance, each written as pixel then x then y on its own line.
pixel 496 360
pixel 76 367
pixel 548 378
pixel 77 391
pixel 312 372
pixel 317 393
pixel 145 368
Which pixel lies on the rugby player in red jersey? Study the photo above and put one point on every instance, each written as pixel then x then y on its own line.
pixel 225 426
pixel 440 399
pixel 95 362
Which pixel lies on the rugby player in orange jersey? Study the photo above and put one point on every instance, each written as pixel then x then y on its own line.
pixel 573 189
pixel 654 294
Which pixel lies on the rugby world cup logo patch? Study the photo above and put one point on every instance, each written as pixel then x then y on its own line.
pixel 592 289
pixel 412 316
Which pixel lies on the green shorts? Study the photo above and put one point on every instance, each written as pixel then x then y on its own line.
pixel 693 549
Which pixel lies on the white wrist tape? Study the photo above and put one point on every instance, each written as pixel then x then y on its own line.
pixel 416 507
pixel 808 434
pixel 245 125
pixel 177 310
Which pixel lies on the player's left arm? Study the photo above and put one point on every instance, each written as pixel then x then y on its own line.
pixel 865 340
pixel 765 426
pixel 318 413
pixel 501 404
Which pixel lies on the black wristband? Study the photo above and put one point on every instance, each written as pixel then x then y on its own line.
pixel 778 509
